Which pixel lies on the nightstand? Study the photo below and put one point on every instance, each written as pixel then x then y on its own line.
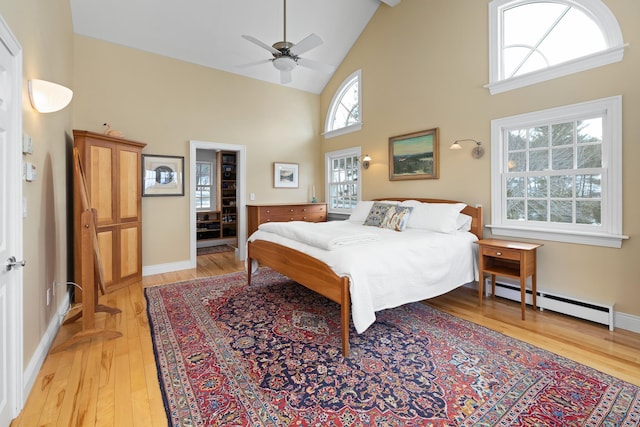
pixel 508 259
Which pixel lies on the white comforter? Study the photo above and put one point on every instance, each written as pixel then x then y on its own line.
pixel 328 238
pixel 398 268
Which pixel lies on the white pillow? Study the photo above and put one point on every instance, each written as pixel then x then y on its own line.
pixel 360 211
pixel 411 203
pixel 441 217
pixel 463 223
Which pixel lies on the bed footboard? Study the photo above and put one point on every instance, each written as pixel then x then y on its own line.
pixel 307 271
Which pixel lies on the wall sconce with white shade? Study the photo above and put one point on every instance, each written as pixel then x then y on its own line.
pixel 477 151
pixel 365 161
pixel 48 97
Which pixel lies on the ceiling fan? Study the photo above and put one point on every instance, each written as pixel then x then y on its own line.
pixel 286 55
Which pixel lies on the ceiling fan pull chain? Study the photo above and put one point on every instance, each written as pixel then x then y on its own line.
pixel 284 25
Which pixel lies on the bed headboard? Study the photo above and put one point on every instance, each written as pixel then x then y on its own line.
pixel 475 213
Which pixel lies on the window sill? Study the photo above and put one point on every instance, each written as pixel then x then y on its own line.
pixel 594 239
pixel 597 59
pixel 353 128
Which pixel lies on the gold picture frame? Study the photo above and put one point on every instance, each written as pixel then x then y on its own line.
pixel 414 156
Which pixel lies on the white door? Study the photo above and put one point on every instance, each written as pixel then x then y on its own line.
pixel 10 226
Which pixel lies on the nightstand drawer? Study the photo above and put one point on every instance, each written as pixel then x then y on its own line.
pixel 501 253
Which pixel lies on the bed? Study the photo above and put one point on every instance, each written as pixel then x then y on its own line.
pixel 347 273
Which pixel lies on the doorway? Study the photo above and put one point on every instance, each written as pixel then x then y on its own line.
pixel 241 220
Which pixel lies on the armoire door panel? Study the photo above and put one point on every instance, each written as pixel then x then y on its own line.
pixel 101 183
pixel 105 246
pixel 129 249
pixel 129 182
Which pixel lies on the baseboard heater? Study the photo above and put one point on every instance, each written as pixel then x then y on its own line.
pixel 594 312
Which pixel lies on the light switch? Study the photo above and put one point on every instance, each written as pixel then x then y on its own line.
pixel 30 172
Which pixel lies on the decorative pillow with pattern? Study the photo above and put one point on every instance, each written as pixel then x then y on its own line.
pixel 396 218
pixel 377 213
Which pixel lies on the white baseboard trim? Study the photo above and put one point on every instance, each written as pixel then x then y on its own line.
pixel 628 322
pixel 150 270
pixel 30 373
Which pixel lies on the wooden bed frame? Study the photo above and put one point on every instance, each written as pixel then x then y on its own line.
pixel 317 276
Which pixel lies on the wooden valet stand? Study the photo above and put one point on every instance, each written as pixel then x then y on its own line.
pixel 91 269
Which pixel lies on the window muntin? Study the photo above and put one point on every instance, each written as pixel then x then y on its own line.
pixel 344 114
pixel 556 174
pixel 534 41
pixel 204 185
pixel 342 180
pixel 540 34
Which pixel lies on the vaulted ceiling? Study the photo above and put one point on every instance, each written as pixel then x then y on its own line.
pixel 209 32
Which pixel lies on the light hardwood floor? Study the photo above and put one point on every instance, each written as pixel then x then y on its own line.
pixel 114 382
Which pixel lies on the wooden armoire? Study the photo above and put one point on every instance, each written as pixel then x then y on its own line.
pixel 112 169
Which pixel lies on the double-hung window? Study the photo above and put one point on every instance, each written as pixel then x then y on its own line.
pixel 204 185
pixel 342 175
pixel 557 174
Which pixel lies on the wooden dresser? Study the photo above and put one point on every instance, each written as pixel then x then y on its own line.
pixel 259 214
pixel 113 174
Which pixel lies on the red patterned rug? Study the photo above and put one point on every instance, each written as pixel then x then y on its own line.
pixel 270 355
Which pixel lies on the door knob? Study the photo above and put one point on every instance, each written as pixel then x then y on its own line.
pixel 12 263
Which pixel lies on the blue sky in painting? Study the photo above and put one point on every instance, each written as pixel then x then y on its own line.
pixel 415 145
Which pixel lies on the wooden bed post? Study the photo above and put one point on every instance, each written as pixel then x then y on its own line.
pixel 345 315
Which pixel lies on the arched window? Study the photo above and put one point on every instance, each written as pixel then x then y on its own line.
pixel 345 111
pixel 534 41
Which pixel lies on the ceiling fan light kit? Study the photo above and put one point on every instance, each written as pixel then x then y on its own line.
pixel 286 55
pixel 284 63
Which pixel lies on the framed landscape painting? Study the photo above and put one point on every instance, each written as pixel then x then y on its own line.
pixel 414 156
pixel 285 175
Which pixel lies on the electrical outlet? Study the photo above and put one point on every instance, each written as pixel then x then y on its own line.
pixel 48 296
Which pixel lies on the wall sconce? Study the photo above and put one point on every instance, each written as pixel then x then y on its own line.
pixel 48 97
pixel 365 161
pixel 477 151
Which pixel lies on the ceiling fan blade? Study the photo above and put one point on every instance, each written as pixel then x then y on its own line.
pixel 254 63
pixel 261 44
pixel 285 77
pixel 318 66
pixel 306 44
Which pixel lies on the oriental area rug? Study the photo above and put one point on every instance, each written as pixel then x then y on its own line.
pixel 270 355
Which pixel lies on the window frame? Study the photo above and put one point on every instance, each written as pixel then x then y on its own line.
pixel 610 230
pixel 335 103
pixel 212 201
pixel 596 9
pixel 355 152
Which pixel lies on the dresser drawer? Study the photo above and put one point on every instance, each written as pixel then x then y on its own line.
pixel 309 217
pixel 277 211
pixel 501 253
